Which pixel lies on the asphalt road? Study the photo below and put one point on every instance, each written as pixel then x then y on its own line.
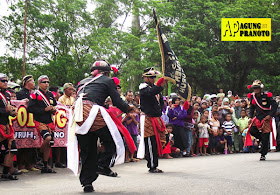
pixel 218 174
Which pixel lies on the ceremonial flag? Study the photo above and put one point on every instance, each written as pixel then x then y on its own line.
pixel 171 67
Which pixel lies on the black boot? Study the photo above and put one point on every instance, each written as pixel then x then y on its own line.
pixel 88 188
pixel 262 157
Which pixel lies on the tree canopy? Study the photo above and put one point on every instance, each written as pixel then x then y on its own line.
pixel 64 38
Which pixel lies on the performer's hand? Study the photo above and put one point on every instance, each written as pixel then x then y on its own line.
pixel 26 100
pixel 161 82
pixel 268 117
pixel 250 121
pixel 8 108
pixel 49 108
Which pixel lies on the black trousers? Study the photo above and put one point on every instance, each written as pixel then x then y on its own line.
pixel 180 137
pixel 263 137
pixel 89 157
pixel 151 152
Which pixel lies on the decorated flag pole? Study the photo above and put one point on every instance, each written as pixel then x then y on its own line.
pixel 171 68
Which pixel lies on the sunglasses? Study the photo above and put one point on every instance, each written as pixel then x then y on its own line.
pixel 4 81
pixel 45 82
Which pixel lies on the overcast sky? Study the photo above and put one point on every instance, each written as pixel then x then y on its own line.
pixel 4 12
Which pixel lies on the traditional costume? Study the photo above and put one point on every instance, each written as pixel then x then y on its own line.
pixel 26 156
pixel 261 105
pixel 43 119
pixel 6 131
pixel 152 127
pixel 91 121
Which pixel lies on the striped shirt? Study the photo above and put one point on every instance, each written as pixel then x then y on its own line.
pixel 228 125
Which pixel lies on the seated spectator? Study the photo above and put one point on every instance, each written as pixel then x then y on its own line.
pixel 221 143
pixel 254 147
pixel 167 149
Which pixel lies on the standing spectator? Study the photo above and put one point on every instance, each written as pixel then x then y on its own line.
pixel 195 108
pixel 67 98
pixel 129 97
pixel 189 123
pixel 131 121
pixel 215 126
pixel 6 132
pixel 26 157
pixel 236 134
pixel 165 109
pixel 28 86
pixel 119 88
pixel 203 129
pixel 224 110
pixel 228 126
pixel 42 105
pixel 221 94
pixel 137 99
pixel 177 115
pixel 243 124
pixel 203 106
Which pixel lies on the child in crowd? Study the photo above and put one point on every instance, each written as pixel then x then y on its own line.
pixel 242 124
pixel 131 121
pixel 206 114
pixel 196 107
pixel 214 108
pixel 195 141
pixel 254 147
pixel 169 135
pixel 215 125
pixel 203 129
pixel 228 127
pixel 173 151
pixel 221 142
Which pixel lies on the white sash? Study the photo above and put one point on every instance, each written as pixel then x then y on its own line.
pixel 72 145
pixel 4 99
pixel 45 99
pixel 141 148
pixel 263 108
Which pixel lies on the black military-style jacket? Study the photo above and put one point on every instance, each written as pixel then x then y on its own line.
pixel 23 94
pixel 151 100
pixel 98 90
pixel 265 102
pixel 37 107
pixel 4 115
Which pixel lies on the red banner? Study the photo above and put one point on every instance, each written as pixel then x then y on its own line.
pixel 26 135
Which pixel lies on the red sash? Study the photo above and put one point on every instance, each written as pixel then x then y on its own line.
pixel 129 141
pixel 7 136
pixel 157 128
pixel 248 139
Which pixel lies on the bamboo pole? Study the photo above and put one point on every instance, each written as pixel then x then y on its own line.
pixel 24 40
